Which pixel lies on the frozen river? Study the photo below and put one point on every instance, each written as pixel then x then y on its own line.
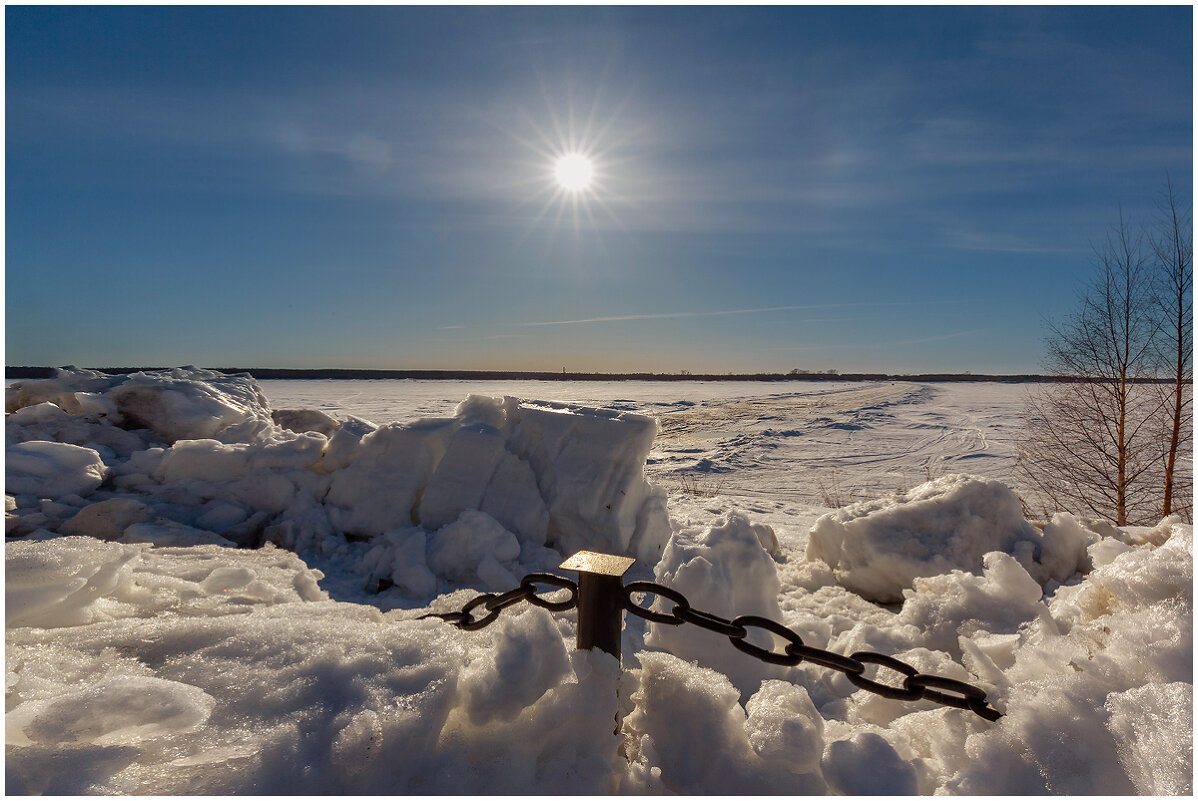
pixel 821 443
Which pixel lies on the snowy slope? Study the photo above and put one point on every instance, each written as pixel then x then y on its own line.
pixel 145 653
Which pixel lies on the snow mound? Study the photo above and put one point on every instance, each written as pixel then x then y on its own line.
pixel 182 403
pixel 725 571
pixel 192 456
pixel 878 548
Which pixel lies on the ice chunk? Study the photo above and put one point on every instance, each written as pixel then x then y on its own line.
pixel 48 422
pixel 56 583
pixel 61 390
pixel 220 516
pixel 676 699
pixel 107 520
pixel 457 550
pixel 304 420
pixel 193 404
pixel 589 465
pixel 484 410
pixel 184 403
pixel 119 711
pixel 689 734
pixel 1135 578
pixel 202 460
pixel 301 452
pixel 471 457
pixel 389 471
pixel 961 604
pixel 344 443
pixel 877 548
pixel 767 538
pixel 785 727
pixel 512 498
pixel 170 533
pixel 400 555
pixel 1065 543
pixel 44 413
pixel 52 469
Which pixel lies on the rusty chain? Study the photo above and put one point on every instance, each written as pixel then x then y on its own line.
pixel 494 604
pixel 916 686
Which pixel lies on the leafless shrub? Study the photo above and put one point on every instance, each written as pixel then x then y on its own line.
pixel 1095 444
pixel 692 485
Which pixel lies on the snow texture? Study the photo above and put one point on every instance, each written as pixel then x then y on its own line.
pixel 147 654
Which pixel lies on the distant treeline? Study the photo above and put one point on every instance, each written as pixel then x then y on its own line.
pixel 509 375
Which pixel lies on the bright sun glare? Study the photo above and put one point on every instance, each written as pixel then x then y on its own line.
pixel 573 172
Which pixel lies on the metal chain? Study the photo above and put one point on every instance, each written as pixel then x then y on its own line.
pixel 494 604
pixel 915 686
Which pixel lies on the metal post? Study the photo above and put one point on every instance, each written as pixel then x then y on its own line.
pixel 600 599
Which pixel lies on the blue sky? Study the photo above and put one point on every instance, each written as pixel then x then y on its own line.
pixel 867 189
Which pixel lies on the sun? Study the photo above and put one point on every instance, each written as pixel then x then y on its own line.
pixel 573 172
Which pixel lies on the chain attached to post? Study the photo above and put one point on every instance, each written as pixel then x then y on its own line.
pixel 916 686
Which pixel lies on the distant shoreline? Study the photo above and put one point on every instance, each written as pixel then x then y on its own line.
pixel 270 373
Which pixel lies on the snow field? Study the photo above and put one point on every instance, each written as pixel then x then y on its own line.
pixel 145 654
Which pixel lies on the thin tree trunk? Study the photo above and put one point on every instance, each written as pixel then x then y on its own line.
pixel 1175 438
pixel 1121 451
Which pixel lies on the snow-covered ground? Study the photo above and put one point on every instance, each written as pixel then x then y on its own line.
pixel 147 654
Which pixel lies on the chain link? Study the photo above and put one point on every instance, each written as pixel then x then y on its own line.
pixel 494 604
pixel 915 686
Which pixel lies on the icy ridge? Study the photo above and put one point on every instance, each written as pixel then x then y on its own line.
pixel 186 456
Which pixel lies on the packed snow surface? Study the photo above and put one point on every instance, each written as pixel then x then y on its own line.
pixel 147 653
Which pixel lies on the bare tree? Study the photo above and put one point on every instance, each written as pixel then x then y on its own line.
pixel 1172 245
pixel 1089 445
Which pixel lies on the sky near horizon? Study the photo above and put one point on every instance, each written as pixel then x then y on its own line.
pixel 889 189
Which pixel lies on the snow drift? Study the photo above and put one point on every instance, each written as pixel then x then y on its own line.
pixel 145 654
pixel 197 456
pixel 878 548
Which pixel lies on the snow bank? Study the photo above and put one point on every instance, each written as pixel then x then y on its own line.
pixel 878 548
pixel 206 670
pixel 187 456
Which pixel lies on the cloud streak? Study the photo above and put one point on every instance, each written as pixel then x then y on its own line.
pixel 884 343
pixel 721 313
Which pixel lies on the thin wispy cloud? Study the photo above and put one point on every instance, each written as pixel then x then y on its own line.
pixel 720 313
pixel 881 344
